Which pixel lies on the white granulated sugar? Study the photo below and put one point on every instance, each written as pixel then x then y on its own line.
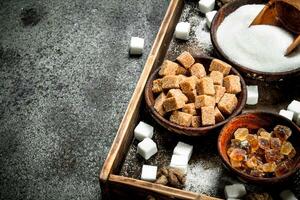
pixel 202 180
pixel 260 47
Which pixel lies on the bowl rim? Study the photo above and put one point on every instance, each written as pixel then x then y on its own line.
pixel 249 177
pixel 213 34
pixel 200 130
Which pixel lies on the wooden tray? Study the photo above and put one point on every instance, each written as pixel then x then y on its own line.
pixel 119 177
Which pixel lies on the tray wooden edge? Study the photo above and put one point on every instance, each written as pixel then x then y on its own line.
pixel 173 193
pixel 131 113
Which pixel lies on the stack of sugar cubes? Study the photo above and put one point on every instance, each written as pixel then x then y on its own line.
pixel 181 156
pixel 292 112
pixel 206 7
pixel 143 132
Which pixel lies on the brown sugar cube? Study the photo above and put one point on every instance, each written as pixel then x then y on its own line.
pixel 208 115
pixel 205 86
pixel 168 68
pixel 218 115
pixel 220 91
pixel 189 108
pixel 181 118
pixel 197 70
pixel 181 78
pixel 173 103
pixel 228 103
pixel 219 65
pixel 217 77
pixel 158 104
pixel 186 59
pixel 232 83
pixel 196 121
pixel 188 84
pixel 169 82
pixel 181 70
pixel 191 95
pixel 204 100
pixel 177 93
pixel 156 86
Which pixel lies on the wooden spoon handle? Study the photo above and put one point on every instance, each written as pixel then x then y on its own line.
pixel 293 46
pixel 267 16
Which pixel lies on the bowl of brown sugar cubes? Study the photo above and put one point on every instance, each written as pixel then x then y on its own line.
pixel 260 147
pixel 194 95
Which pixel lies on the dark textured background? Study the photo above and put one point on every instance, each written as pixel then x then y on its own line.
pixel 65 82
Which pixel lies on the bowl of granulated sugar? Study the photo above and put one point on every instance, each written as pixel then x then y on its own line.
pixel 255 51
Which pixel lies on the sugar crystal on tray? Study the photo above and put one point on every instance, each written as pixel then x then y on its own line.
pixel 287 114
pixel 252 94
pixel 235 191
pixel 147 148
pixel 294 106
pixel 149 173
pixel 142 131
pixel 182 30
pixel 206 5
pixel 288 195
pixel 183 149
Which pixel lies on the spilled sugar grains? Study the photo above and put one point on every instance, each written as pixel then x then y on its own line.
pixel 262 154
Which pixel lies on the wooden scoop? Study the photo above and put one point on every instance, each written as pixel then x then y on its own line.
pixel 282 13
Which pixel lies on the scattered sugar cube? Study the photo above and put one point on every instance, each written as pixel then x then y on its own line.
pixel 298 120
pixel 149 173
pixel 286 113
pixel 252 94
pixel 182 30
pixel 294 106
pixel 235 191
pixel 142 131
pixel 136 46
pixel 287 195
pixel 183 149
pixel 147 148
pixel 206 5
pixel 209 17
pixel 179 162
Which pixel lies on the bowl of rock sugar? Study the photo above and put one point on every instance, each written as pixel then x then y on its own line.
pixel 255 51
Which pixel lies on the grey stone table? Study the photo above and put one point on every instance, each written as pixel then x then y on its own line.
pixel 65 82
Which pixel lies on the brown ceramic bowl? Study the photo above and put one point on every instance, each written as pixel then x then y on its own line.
pixel 264 76
pixel 254 121
pixel 190 131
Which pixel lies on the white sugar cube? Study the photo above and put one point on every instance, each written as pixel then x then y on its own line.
pixel 183 149
pixel 206 5
pixel 287 195
pixel 209 17
pixel 252 94
pixel 298 120
pixel 286 113
pixel 147 148
pixel 136 46
pixel 235 191
pixel 179 162
pixel 149 173
pixel 142 131
pixel 182 30
pixel 294 106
